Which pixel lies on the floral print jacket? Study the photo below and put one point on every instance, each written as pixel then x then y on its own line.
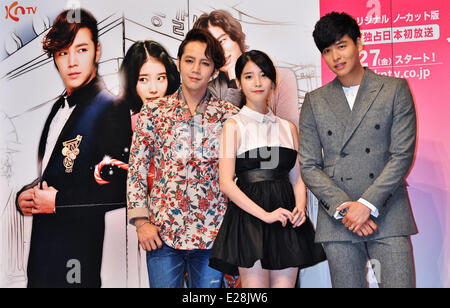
pixel 185 201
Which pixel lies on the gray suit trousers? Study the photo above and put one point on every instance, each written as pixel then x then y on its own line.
pixel 391 259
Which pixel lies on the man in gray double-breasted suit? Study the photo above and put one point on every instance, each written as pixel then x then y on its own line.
pixel 357 143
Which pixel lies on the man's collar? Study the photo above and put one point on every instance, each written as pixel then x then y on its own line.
pixel 203 103
pixel 367 72
pixel 86 93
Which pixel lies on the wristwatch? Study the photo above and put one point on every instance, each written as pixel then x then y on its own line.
pixel 343 212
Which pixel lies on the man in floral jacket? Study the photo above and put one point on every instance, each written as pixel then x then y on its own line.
pixel 178 224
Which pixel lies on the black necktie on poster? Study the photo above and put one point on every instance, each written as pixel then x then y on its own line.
pixel 66 100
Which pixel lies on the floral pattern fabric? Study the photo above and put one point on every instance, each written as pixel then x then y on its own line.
pixel 185 201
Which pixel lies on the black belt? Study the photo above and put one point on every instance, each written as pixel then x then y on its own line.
pixel 261 175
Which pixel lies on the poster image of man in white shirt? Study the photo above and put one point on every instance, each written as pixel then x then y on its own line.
pixel 85 124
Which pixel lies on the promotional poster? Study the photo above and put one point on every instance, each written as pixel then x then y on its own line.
pixel 403 39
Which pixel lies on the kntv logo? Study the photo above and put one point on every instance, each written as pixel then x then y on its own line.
pixel 15 10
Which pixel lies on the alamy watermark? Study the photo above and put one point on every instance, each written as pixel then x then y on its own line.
pixel 374 271
pixel 74 13
pixel 74 274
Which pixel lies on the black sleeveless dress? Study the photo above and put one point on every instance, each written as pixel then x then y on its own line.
pixel 263 175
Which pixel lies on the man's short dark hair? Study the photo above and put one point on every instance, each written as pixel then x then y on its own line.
pixel 63 32
pixel 332 27
pixel 224 20
pixel 213 52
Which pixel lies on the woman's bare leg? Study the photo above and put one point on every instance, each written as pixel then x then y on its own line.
pixel 255 277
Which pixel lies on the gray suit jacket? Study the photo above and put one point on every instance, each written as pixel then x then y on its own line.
pixel 365 153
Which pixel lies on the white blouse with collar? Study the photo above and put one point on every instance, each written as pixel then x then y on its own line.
pixel 260 130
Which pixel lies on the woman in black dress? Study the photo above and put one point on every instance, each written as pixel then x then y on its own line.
pixel 266 236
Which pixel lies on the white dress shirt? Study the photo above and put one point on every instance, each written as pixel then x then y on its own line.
pixel 350 94
pixel 55 130
pixel 261 130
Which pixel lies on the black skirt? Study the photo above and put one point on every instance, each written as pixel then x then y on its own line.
pixel 244 239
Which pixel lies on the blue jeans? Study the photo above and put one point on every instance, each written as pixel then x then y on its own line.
pixel 167 268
